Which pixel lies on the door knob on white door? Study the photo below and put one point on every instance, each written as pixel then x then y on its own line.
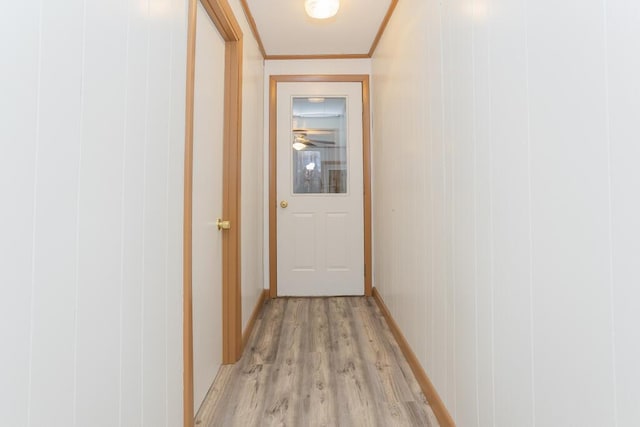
pixel 284 204
pixel 223 225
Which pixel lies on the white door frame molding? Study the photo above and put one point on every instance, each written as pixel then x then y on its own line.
pixel 366 169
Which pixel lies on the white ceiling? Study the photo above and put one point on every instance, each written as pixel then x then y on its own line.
pixel 286 30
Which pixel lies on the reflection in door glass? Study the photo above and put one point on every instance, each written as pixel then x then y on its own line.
pixel 319 145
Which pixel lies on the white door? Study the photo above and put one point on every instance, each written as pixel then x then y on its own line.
pixel 207 204
pixel 320 224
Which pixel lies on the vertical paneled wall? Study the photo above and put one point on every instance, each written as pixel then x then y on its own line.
pixel 91 178
pixel 506 207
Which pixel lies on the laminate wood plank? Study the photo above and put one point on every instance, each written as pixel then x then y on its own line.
pixel 319 403
pixel 402 366
pixel 381 358
pixel 262 347
pixel 320 341
pixel 318 362
pixel 284 402
pixel 409 414
pixel 395 399
pixel 212 401
pixel 398 361
pixel 246 400
pixel 245 397
pixel 401 362
pixel 356 403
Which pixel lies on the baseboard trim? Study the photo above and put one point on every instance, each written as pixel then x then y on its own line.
pixel 254 315
pixel 437 405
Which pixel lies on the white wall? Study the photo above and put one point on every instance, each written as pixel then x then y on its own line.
pixel 296 67
pixel 91 177
pixel 315 66
pixel 506 209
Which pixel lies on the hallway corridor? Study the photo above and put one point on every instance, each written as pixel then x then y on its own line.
pixel 500 213
pixel 318 362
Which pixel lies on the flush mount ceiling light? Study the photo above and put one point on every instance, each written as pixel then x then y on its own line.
pixel 321 9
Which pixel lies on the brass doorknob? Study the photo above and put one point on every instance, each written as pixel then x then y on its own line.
pixel 223 225
pixel 284 204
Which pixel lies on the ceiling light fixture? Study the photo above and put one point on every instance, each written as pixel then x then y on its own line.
pixel 299 146
pixel 321 9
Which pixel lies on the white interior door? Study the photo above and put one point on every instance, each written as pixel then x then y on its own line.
pixel 320 239
pixel 207 204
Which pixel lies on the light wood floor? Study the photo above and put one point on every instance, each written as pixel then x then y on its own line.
pixel 318 362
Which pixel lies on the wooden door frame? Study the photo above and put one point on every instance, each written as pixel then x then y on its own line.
pixel 224 20
pixel 366 169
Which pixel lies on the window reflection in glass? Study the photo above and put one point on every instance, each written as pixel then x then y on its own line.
pixel 319 145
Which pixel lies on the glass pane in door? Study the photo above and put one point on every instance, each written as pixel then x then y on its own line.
pixel 319 145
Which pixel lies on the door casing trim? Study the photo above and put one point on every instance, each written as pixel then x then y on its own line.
pixel 366 169
pixel 225 22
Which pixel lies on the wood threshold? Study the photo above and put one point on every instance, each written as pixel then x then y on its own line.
pixel 366 170
pixel 264 295
pixel 225 22
pixel 437 405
